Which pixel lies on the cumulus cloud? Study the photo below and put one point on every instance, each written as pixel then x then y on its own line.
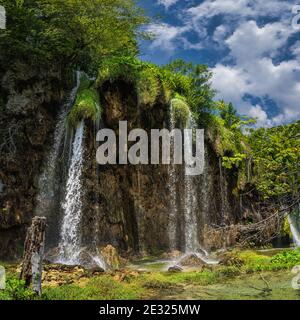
pixel 167 3
pixel 253 34
pixel 240 8
pixel 255 73
pixel 167 37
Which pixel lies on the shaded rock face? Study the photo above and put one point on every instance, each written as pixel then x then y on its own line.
pixel 30 97
pixel 129 206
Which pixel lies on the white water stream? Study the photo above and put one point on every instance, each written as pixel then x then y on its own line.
pixel 70 242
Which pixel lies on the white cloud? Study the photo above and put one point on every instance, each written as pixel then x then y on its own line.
pixel 167 37
pixel 254 72
pixel 295 49
pixel 260 115
pixel 220 34
pixel 253 50
pixel 241 8
pixel 167 3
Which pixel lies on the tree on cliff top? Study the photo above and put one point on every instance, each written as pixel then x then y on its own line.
pixel 70 32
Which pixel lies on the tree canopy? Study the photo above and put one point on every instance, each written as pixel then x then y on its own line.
pixel 71 32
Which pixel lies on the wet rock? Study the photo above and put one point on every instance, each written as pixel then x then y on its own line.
pixel 172 254
pixel 175 269
pixel 111 257
pixel 192 260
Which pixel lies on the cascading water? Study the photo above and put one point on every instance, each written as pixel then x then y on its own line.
pixel 189 196
pixel 294 221
pixel 172 189
pixel 191 224
pixel 46 198
pixel 69 246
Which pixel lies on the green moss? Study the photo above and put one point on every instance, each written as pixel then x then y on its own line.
pixel 150 81
pixel 181 111
pixel 286 229
pixel 148 86
pixel 87 104
pixel 98 288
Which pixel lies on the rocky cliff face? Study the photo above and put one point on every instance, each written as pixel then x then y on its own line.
pixel 126 206
pixel 129 206
pixel 30 98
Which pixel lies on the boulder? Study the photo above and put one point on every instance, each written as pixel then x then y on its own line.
pixel 175 269
pixel 192 260
pixel 111 257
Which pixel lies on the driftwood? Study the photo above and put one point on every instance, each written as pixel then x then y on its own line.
pixel 32 267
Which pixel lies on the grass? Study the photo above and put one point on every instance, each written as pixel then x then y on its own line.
pixel 98 288
pixel 239 266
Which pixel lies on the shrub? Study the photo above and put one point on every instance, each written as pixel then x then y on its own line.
pixel 180 111
pixel 289 258
pixel 87 104
pixel 16 290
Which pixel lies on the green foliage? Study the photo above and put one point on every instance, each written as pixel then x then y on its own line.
pixel 276 156
pixel 288 258
pixel 87 104
pixel 181 111
pixel 98 288
pixel 250 261
pixel 286 228
pixel 192 82
pixel 148 86
pixel 16 290
pixel 71 32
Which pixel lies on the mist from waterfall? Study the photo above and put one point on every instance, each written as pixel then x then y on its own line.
pixel 70 240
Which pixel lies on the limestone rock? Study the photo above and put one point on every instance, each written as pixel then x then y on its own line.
pixel 192 260
pixel 111 257
pixel 175 269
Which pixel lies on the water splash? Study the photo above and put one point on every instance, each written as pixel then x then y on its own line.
pixel 70 241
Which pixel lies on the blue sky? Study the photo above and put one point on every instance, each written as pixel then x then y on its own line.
pixel 251 47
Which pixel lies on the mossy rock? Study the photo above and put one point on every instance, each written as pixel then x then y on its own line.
pixel 87 104
pixel 148 87
pixel 181 111
pixel 286 229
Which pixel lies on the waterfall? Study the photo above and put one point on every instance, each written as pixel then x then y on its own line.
pixel 190 217
pixel 189 195
pixel 294 221
pixel 69 245
pixel 172 189
pixel 47 184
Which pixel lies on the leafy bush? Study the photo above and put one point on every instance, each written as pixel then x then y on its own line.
pixel 87 104
pixel 16 290
pixel 289 258
pixel 181 111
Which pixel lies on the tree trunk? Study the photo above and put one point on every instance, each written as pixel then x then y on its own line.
pixel 32 267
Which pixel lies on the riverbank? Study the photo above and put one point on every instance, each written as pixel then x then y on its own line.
pixel 239 275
